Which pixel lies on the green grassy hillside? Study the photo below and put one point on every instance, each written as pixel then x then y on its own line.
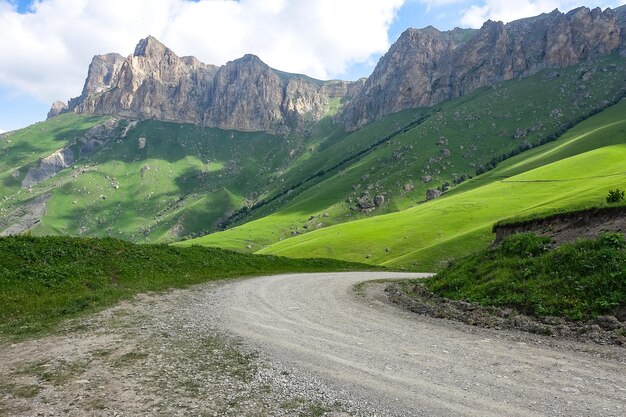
pixel 577 169
pixel 160 182
pixel 580 280
pixel 45 280
pixel 442 145
pixel 23 148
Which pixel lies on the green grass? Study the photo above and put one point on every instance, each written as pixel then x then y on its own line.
pixel 184 181
pixel 571 212
pixel 21 149
pixel 579 281
pixel 578 169
pixel 45 280
pixel 473 129
pixel 288 194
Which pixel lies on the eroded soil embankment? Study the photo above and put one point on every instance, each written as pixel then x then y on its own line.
pixel 568 227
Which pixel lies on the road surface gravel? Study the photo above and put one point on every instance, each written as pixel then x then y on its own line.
pixel 299 345
pixel 404 364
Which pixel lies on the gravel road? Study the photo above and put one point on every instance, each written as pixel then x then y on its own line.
pixel 300 345
pixel 399 363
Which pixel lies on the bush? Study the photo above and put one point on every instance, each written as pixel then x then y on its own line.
pixel 613 240
pixel 615 196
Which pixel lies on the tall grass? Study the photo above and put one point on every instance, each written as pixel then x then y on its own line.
pixel 45 280
pixel 580 280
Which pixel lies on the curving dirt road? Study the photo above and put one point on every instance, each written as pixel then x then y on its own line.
pixel 404 364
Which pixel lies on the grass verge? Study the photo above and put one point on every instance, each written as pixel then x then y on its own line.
pixel 579 281
pixel 45 280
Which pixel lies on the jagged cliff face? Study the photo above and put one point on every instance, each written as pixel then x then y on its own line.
pixel 425 67
pixel 244 94
pixel 151 83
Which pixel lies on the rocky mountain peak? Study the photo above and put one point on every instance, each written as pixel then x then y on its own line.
pixel 245 94
pixel 151 47
pixel 250 59
pixel 425 66
pixel 422 68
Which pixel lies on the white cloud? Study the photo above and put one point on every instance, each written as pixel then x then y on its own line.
pixel 1 131
pixel 45 53
pixel 508 10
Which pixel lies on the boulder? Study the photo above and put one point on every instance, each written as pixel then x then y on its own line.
pixel 433 193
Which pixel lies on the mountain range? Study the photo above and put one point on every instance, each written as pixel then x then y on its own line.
pixel 423 67
pixel 161 148
pixel 245 94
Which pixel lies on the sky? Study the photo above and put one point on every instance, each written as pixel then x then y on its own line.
pixel 46 45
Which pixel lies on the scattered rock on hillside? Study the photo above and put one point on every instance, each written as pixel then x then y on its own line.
pixel 433 193
pixel 520 133
pixel 365 201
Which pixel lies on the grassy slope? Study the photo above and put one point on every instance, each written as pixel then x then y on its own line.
pixel 45 280
pixel 473 129
pixel 22 148
pixel 183 181
pixel 579 168
pixel 191 177
pixel 198 176
pixel 580 281
pixel 327 149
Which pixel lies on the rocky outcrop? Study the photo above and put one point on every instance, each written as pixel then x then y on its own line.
pixel 58 107
pixel 102 76
pixel 244 94
pixel 49 167
pixel 25 217
pixel 63 158
pixel 433 193
pixel 426 66
pixel 151 83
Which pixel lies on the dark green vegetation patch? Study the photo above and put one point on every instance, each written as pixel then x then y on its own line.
pixel 44 280
pixel 579 281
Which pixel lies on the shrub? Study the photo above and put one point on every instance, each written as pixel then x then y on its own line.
pixel 613 240
pixel 615 196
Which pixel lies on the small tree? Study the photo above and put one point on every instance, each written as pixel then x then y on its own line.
pixel 615 196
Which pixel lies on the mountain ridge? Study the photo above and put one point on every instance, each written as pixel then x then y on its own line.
pixel 426 66
pixel 244 94
pixel 151 180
